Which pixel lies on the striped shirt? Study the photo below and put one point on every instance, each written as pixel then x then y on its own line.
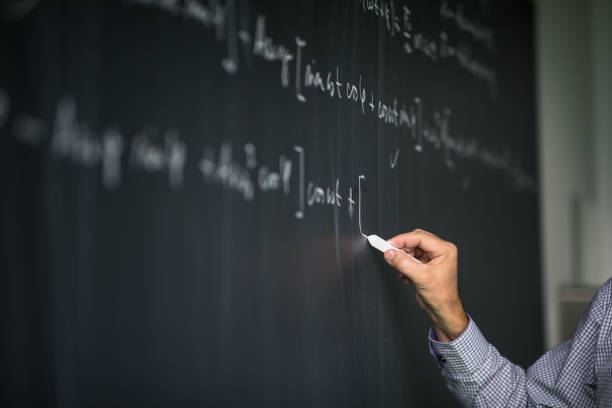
pixel 576 373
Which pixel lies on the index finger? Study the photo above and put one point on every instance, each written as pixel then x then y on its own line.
pixel 424 240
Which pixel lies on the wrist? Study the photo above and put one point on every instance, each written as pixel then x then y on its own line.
pixel 450 326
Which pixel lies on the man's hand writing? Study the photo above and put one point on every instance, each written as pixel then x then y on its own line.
pixel 435 280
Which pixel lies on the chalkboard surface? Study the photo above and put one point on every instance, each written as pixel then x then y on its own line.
pixel 180 199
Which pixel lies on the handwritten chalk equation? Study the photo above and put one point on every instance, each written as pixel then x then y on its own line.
pixel 234 168
pixel 163 151
pixel 399 21
pixel 431 127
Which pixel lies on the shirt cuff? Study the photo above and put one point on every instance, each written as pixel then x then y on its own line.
pixel 463 355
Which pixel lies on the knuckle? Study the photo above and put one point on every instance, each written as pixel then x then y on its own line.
pixel 402 264
pixel 452 248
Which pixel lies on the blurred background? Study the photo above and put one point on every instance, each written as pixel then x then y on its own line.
pixel 574 66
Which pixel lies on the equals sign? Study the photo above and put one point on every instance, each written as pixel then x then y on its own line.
pixel 244 36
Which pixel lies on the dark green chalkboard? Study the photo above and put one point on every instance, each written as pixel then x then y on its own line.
pixel 179 197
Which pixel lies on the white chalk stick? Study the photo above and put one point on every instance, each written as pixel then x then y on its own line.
pixel 383 246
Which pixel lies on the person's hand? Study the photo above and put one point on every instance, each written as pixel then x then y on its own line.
pixel 435 279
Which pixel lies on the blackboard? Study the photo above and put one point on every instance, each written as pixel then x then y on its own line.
pixel 180 198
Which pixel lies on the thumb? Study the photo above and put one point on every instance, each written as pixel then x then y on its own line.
pixel 403 262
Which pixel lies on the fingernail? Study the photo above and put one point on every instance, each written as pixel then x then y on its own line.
pixel 389 255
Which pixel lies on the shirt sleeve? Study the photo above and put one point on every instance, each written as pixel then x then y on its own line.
pixel 479 376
